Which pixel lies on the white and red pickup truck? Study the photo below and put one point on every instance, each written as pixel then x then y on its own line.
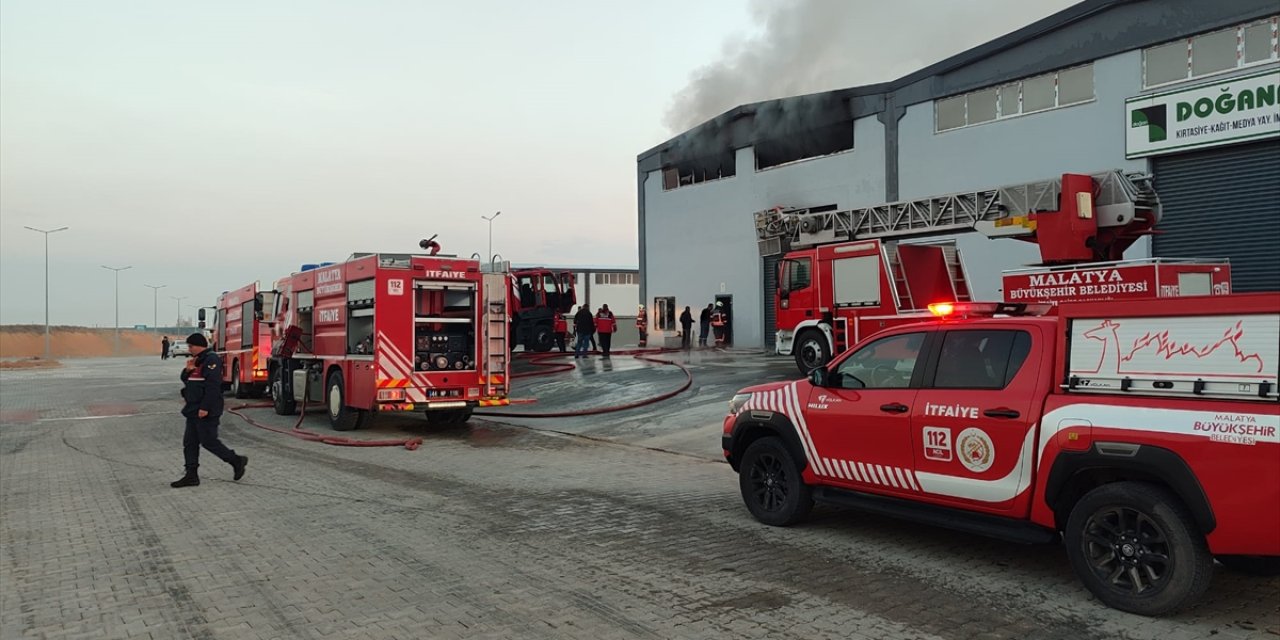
pixel 1145 435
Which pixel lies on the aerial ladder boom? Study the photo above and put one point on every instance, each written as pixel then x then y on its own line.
pixel 1074 218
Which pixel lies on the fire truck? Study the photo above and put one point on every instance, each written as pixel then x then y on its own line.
pixel 242 337
pixel 391 332
pixel 1142 434
pixel 846 274
pixel 536 295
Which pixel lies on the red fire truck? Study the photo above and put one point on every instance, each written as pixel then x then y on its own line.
pixel 391 332
pixel 1145 433
pixel 242 337
pixel 537 295
pixel 846 274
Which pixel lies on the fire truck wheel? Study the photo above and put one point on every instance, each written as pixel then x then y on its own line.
pixel 811 351
pixel 341 417
pixel 284 406
pixel 449 417
pixel 771 484
pixel 1136 547
pixel 542 339
pixel 238 388
pixel 1265 566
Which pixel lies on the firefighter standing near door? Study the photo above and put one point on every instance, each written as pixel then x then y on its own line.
pixel 642 326
pixel 202 393
pixel 606 325
pixel 719 320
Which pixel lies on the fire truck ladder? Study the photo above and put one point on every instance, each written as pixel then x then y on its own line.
pixel 999 212
pixel 496 325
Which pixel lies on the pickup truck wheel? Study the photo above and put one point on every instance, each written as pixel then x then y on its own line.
pixel 1136 547
pixel 1265 566
pixel 811 351
pixel 771 486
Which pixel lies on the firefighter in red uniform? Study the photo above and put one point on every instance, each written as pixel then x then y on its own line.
pixel 202 391
pixel 718 321
pixel 642 326
pixel 606 325
pixel 560 326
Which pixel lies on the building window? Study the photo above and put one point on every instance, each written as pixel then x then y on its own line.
pixel 1049 91
pixel 1240 46
pixel 617 278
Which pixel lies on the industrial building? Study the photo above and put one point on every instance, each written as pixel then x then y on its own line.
pixel 1182 89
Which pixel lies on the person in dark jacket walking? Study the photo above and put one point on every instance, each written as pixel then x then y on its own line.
pixel 202 393
pixel 584 325
pixel 704 326
pixel 164 348
pixel 686 324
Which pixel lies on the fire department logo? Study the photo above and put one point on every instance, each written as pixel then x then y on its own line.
pixel 975 450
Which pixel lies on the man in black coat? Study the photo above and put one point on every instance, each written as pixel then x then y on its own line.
pixel 704 326
pixel 584 324
pixel 202 393
pixel 686 325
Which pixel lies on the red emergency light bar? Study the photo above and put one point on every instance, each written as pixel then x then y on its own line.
pixel 949 310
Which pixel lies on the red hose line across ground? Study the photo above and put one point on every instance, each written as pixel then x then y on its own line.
pixel 537 360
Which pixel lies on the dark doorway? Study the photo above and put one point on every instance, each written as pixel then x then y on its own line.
pixel 725 301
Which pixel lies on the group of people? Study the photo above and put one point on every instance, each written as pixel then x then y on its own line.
pixel 713 320
pixel 586 328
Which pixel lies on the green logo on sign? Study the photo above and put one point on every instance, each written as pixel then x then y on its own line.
pixel 1154 118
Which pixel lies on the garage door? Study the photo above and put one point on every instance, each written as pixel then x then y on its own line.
pixel 1224 203
pixel 769 271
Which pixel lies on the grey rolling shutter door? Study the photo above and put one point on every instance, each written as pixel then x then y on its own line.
pixel 1224 203
pixel 770 271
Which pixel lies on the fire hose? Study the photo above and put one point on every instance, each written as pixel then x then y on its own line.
pixel 541 360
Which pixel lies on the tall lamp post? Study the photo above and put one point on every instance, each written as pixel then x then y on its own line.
pixel 489 219
pixel 46 282
pixel 155 304
pixel 117 270
pixel 179 299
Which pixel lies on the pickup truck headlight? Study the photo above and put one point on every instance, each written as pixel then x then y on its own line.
pixel 738 401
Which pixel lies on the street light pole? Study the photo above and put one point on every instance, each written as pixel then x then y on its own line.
pixel 117 270
pixel 46 282
pixel 179 299
pixel 489 219
pixel 155 304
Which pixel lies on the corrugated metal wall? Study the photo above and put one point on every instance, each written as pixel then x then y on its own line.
pixel 1224 203
pixel 769 272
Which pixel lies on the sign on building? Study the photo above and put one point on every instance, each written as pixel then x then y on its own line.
pixel 1225 112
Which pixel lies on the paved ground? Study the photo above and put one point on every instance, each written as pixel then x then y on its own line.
pixel 489 531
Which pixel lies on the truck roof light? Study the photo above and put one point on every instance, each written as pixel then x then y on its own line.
pixel 947 310
pixel 942 309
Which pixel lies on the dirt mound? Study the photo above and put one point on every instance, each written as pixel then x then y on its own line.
pixel 27 341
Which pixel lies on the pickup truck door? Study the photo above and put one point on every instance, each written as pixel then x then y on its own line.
pixel 860 422
pixel 974 419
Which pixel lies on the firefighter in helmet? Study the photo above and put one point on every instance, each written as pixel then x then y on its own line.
pixel 719 322
pixel 642 325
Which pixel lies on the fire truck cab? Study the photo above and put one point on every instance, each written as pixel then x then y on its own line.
pixel 537 295
pixel 242 337
pixel 391 332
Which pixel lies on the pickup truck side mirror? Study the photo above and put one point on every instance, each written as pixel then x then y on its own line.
pixel 818 377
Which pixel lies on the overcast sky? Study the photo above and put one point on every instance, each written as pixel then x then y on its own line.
pixel 212 144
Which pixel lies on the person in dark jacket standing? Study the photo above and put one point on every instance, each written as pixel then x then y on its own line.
pixel 164 348
pixel 584 325
pixel 704 326
pixel 202 391
pixel 686 323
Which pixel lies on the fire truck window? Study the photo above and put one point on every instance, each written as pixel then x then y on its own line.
pixel 981 359
pixel 887 363
pixel 798 274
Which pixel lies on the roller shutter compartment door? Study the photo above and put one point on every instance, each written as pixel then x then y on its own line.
pixel 1224 203
pixel 770 272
